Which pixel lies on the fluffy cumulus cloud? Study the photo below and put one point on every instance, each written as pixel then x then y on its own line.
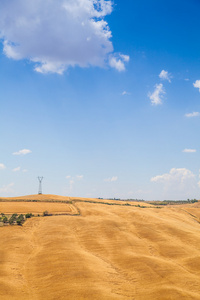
pixel 189 150
pixel 2 166
pixel 157 95
pixel 57 34
pixel 118 61
pixel 178 175
pixel 165 75
pixel 196 84
pixel 193 114
pixel 22 152
pixel 179 183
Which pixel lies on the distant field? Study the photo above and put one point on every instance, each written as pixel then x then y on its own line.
pixel 35 208
pixel 108 252
pixel 56 198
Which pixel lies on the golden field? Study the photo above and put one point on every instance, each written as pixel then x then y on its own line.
pixel 100 251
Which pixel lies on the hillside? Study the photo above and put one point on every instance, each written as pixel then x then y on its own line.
pixel 110 250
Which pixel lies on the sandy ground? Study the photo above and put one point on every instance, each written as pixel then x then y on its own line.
pixel 108 252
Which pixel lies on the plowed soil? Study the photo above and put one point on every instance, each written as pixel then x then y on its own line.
pixel 107 252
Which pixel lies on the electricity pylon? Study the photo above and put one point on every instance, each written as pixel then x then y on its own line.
pixel 40 185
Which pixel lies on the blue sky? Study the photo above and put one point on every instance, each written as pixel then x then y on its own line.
pixel 101 98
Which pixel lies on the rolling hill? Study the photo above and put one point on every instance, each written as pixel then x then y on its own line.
pixel 99 249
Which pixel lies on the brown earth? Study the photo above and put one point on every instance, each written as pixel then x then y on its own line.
pixel 107 252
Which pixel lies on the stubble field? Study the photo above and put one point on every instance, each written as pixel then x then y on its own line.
pixel 102 251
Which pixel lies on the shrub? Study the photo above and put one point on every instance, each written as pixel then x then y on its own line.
pixel 5 220
pixel 29 215
pixel 194 200
pixel 20 220
pixel 45 213
pixel 12 219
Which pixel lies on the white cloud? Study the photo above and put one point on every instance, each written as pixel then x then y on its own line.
pixel 16 169
pixel 175 175
pixel 22 152
pixel 164 75
pixel 118 62
pixel 189 150
pixel 157 95
pixel 178 175
pixel 7 188
pixel 125 93
pixel 125 58
pixel 24 170
pixel 193 114
pixel 79 177
pixel 196 84
pixel 187 79
pixel 57 34
pixel 68 177
pixel 111 179
pixel 2 166
pixel 179 183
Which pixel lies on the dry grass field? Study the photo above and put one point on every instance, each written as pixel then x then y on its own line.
pixel 107 252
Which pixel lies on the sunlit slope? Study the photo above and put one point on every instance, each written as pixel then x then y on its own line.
pixel 41 197
pixel 36 208
pixel 57 198
pixel 108 252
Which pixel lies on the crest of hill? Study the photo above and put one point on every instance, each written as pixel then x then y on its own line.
pixel 57 198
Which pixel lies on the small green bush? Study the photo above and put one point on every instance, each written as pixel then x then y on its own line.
pixel 29 215
pixel 5 220
pixel 20 220
pixel 12 219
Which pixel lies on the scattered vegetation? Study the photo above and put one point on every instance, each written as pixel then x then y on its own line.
pixel 45 213
pixel 29 215
pixel 20 219
pixel 5 219
pixel 173 202
pixel 14 219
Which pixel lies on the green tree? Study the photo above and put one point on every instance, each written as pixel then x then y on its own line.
pixel 20 220
pixel 29 215
pixel 5 219
pixel 12 219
